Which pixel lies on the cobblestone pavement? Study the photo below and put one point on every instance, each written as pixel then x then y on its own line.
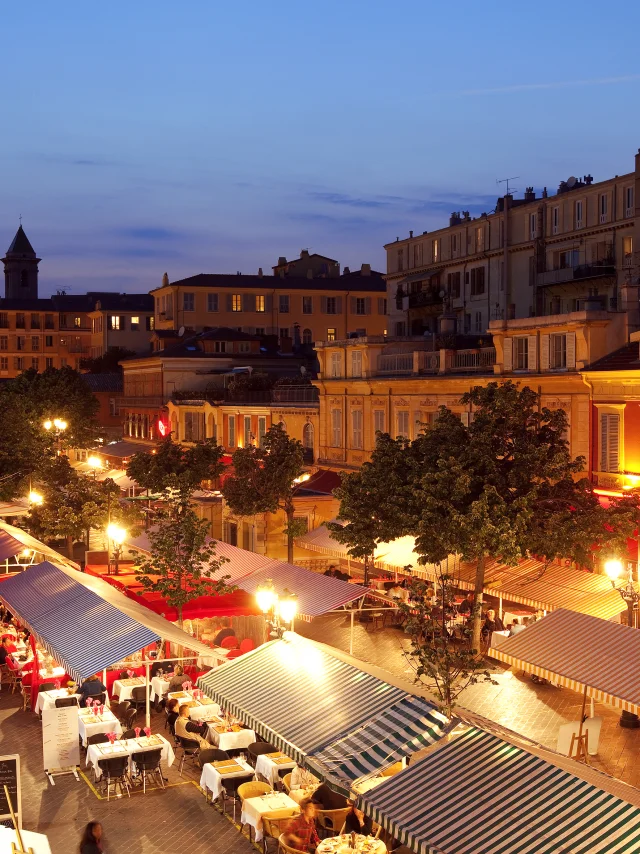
pixel 175 820
pixel 535 711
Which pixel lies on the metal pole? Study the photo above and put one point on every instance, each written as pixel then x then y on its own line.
pixel 353 613
pixel 147 698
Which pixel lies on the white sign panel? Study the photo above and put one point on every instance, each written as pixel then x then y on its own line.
pixel 37 842
pixel 60 738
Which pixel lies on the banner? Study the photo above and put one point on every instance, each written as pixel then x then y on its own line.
pixel 60 739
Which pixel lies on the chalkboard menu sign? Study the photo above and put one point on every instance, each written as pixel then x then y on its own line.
pixel 10 777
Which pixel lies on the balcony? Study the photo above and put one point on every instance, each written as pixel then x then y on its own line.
pixel 306 395
pixel 422 299
pixel 469 361
pixel 579 273
pixel 395 364
pixel 152 402
pixel 477 360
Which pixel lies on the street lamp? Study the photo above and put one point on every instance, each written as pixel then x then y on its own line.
pixel 35 498
pixel 95 463
pixel 276 609
pixel 116 536
pixel 59 425
pixel 627 590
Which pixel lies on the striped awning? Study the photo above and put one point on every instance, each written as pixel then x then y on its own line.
pixel 406 727
pixel 479 793
pixel 578 651
pixel 391 556
pixel 85 623
pixel 297 695
pixel 14 540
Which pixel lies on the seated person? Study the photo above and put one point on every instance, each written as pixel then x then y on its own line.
pixel 357 822
pixel 518 626
pixel 160 664
pixel 492 623
pixel 300 778
pixel 327 799
pixel 331 572
pixel 5 649
pixel 466 606
pixel 177 680
pixel 396 592
pixel 91 687
pixel 185 728
pixel 225 632
pixel 172 713
pixel 301 832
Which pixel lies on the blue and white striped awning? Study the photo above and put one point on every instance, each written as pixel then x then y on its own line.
pixel 297 695
pixel 406 727
pixel 479 793
pixel 85 623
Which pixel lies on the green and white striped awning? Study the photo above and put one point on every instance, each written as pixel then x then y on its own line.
pixel 297 695
pixel 408 726
pixel 479 794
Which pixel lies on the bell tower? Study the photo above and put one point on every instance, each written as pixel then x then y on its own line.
pixel 20 268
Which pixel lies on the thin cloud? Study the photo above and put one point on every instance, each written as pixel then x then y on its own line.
pixel 533 87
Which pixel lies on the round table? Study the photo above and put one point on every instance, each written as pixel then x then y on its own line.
pixel 342 845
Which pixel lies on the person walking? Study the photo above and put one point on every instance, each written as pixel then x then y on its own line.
pixel 91 842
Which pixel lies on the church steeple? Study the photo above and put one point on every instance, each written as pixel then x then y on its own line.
pixel 20 268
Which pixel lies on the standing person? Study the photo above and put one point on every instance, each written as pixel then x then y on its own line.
pixel 91 842
pixel 301 833
pixel 225 632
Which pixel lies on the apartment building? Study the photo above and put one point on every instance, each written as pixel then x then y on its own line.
pixel 529 257
pixel 121 320
pixel 321 305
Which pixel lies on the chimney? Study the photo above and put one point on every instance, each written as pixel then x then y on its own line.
pixel 454 219
pixel 309 273
pixel 304 253
pixel 165 280
pixel 260 273
pixel 282 261
pixel 529 195
pixel 588 180
pixel 365 270
pixel 411 234
pixel 544 193
pixel 346 271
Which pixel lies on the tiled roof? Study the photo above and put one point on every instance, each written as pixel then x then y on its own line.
pixel 20 244
pixel 350 282
pixel 627 358
pixel 322 482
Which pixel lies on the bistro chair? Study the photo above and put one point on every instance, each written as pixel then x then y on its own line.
pixel 123 675
pixel 274 824
pixel 65 702
pixel 259 748
pixel 254 789
pixel 98 738
pixel 139 696
pixel 247 645
pixel 233 653
pixel 147 764
pixel 330 821
pixel 26 690
pixel 127 734
pixel 121 709
pixel 231 786
pixel 101 698
pixel 283 848
pixel 211 755
pixel 190 747
pixel 286 782
pixel 115 773
pixel 46 686
pixel 130 718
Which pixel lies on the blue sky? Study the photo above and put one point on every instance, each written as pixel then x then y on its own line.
pixel 147 135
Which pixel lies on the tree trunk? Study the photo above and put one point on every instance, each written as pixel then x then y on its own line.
pixel 290 513
pixel 477 604
pixel 70 547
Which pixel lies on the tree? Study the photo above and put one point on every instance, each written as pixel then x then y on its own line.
pixel 265 480
pixel 245 384
pixel 108 363
pixel 173 466
pixel 446 667
pixel 183 563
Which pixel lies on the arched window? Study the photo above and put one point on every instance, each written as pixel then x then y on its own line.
pixel 307 336
pixel 307 435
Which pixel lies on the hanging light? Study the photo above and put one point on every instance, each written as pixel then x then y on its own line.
pixel 613 568
pixel 266 595
pixel 288 604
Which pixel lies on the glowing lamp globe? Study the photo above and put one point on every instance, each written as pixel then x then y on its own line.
pixel 613 568
pixel 266 596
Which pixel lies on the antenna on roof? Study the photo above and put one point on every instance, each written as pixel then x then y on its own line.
pixel 506 181
pixel 20 218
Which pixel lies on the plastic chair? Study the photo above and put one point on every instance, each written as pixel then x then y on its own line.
pixel 247 645
pixel 139 696
pixel 127 734
pixel 229 643
pixel 98 738
pixel 287 849
pixel 130 718
pixel 233 653
pixel 115 772
pixel 147 764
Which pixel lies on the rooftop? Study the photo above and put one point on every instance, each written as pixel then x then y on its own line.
pixel 627 358
pixel 348 282
pixel 20 245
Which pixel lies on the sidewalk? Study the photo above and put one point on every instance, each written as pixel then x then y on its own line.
pixel 535 711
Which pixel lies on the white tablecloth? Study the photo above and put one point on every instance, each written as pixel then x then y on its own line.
pixel 159 687
pixel 218 656
pixel 231 740
pixel 47 699
pixel 124 692
pixel 254 808
pixel 89 725
pixel 211 778
pixel 336 844
pixel 201 712
pixel 128 747
pixel 269 769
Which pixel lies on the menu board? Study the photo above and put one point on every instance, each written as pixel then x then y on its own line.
pixel 10 777
pixel 60 738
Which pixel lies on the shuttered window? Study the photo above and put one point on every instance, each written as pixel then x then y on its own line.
pixel 609 441
pixel 356 429
pixel 336 428
pixel 378 421
pixel 356 363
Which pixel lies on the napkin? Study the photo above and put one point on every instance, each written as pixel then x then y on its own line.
pixel 137 731
pixel 147 731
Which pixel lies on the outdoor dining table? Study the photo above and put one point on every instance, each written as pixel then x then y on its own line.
pixel 159 687
pixel 342 845
pixel 123 688
pixel 268 766
pixel 47 699
pixel 238 739
pixel 127 748
pixel 90 724
pixel 217 656
pixel 203 709
pixel 213 773
pixel 254 808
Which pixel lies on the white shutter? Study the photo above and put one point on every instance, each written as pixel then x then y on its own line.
pixel 532 353
pixel 507 359
pixel 614 443
pixel 571 349
pixel 544 352
pixel 604 442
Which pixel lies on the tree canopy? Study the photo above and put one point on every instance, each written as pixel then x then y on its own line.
pixel 109 362
pixel 174 467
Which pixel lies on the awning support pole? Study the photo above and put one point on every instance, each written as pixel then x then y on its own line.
pixel 148 695
pixel 353 613
pixel 500 607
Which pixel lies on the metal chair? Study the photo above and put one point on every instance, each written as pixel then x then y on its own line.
pixel 212 755
pixel 127 734
pixel 121 710
pixel 98 738
pixel 190 747
pixel 64 702
pixel 139 696
pixel 231 786
pixel 101 698
pixel 130 718
pixel 147 764
pixel 259 748
pixel 115 771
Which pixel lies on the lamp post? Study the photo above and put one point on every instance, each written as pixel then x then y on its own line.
pixel 116 537
pixel 58 425
pixel 35 498
pixel 613 569
pixel 277 609
pixel 94 463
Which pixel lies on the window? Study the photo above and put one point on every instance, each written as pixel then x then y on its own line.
pixel 579 214
pixel 259 330
pixel 21 342
pixel 533 226
pixel 188 301
pixel 382 305
pixel 283 303
pixel 18 363
pixel 150 323
pixel 19 320
pixel 77 322
pixel 4 363
pixel 115 321
pixel 35 342
pixel 236 302
pixel 336 365
pixel 35 363
pixel 284 332
pixel 331 333
pixel 331 305
pixel 627 251
pixel 48 362
pixel 4 342
pixel 555 220
pixel 244 347
pixel 4 320
pixel 262 429
pixel 356 428
pixel 402 422
pixel 135 324
pixel 401 328
pixel 435 251
pixel 558 352
pixel 248 435
pixel 453 284
pixel 417 255
pixel 454 243
pixel 378 420
pixel 48 321
pixel 521 354
pixel 356 363
pixel 478 321
pixel 603 206
pixel 232 431
pixel 35 321
pixel 568 258
pixel 361 305
pixel 307 336
pixel 336 428
pixel 609 441
pixel 260 303
pixel 220 346
pixel 479 239
pixel 629 209
pixel 307 305
pixel 477 281
pixel 48 340
pixel 400 261
pixel 212 302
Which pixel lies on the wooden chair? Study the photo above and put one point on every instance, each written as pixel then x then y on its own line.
pixel 330 821
pixel 283 848
pixel 274 824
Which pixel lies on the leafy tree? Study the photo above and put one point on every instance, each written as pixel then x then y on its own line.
pixel 265 480
pixel 108 363
pixel 243 384
pixel 173 466
pixel 445 666
pixel 183 563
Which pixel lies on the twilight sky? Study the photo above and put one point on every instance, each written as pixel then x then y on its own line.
pixel 204 136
